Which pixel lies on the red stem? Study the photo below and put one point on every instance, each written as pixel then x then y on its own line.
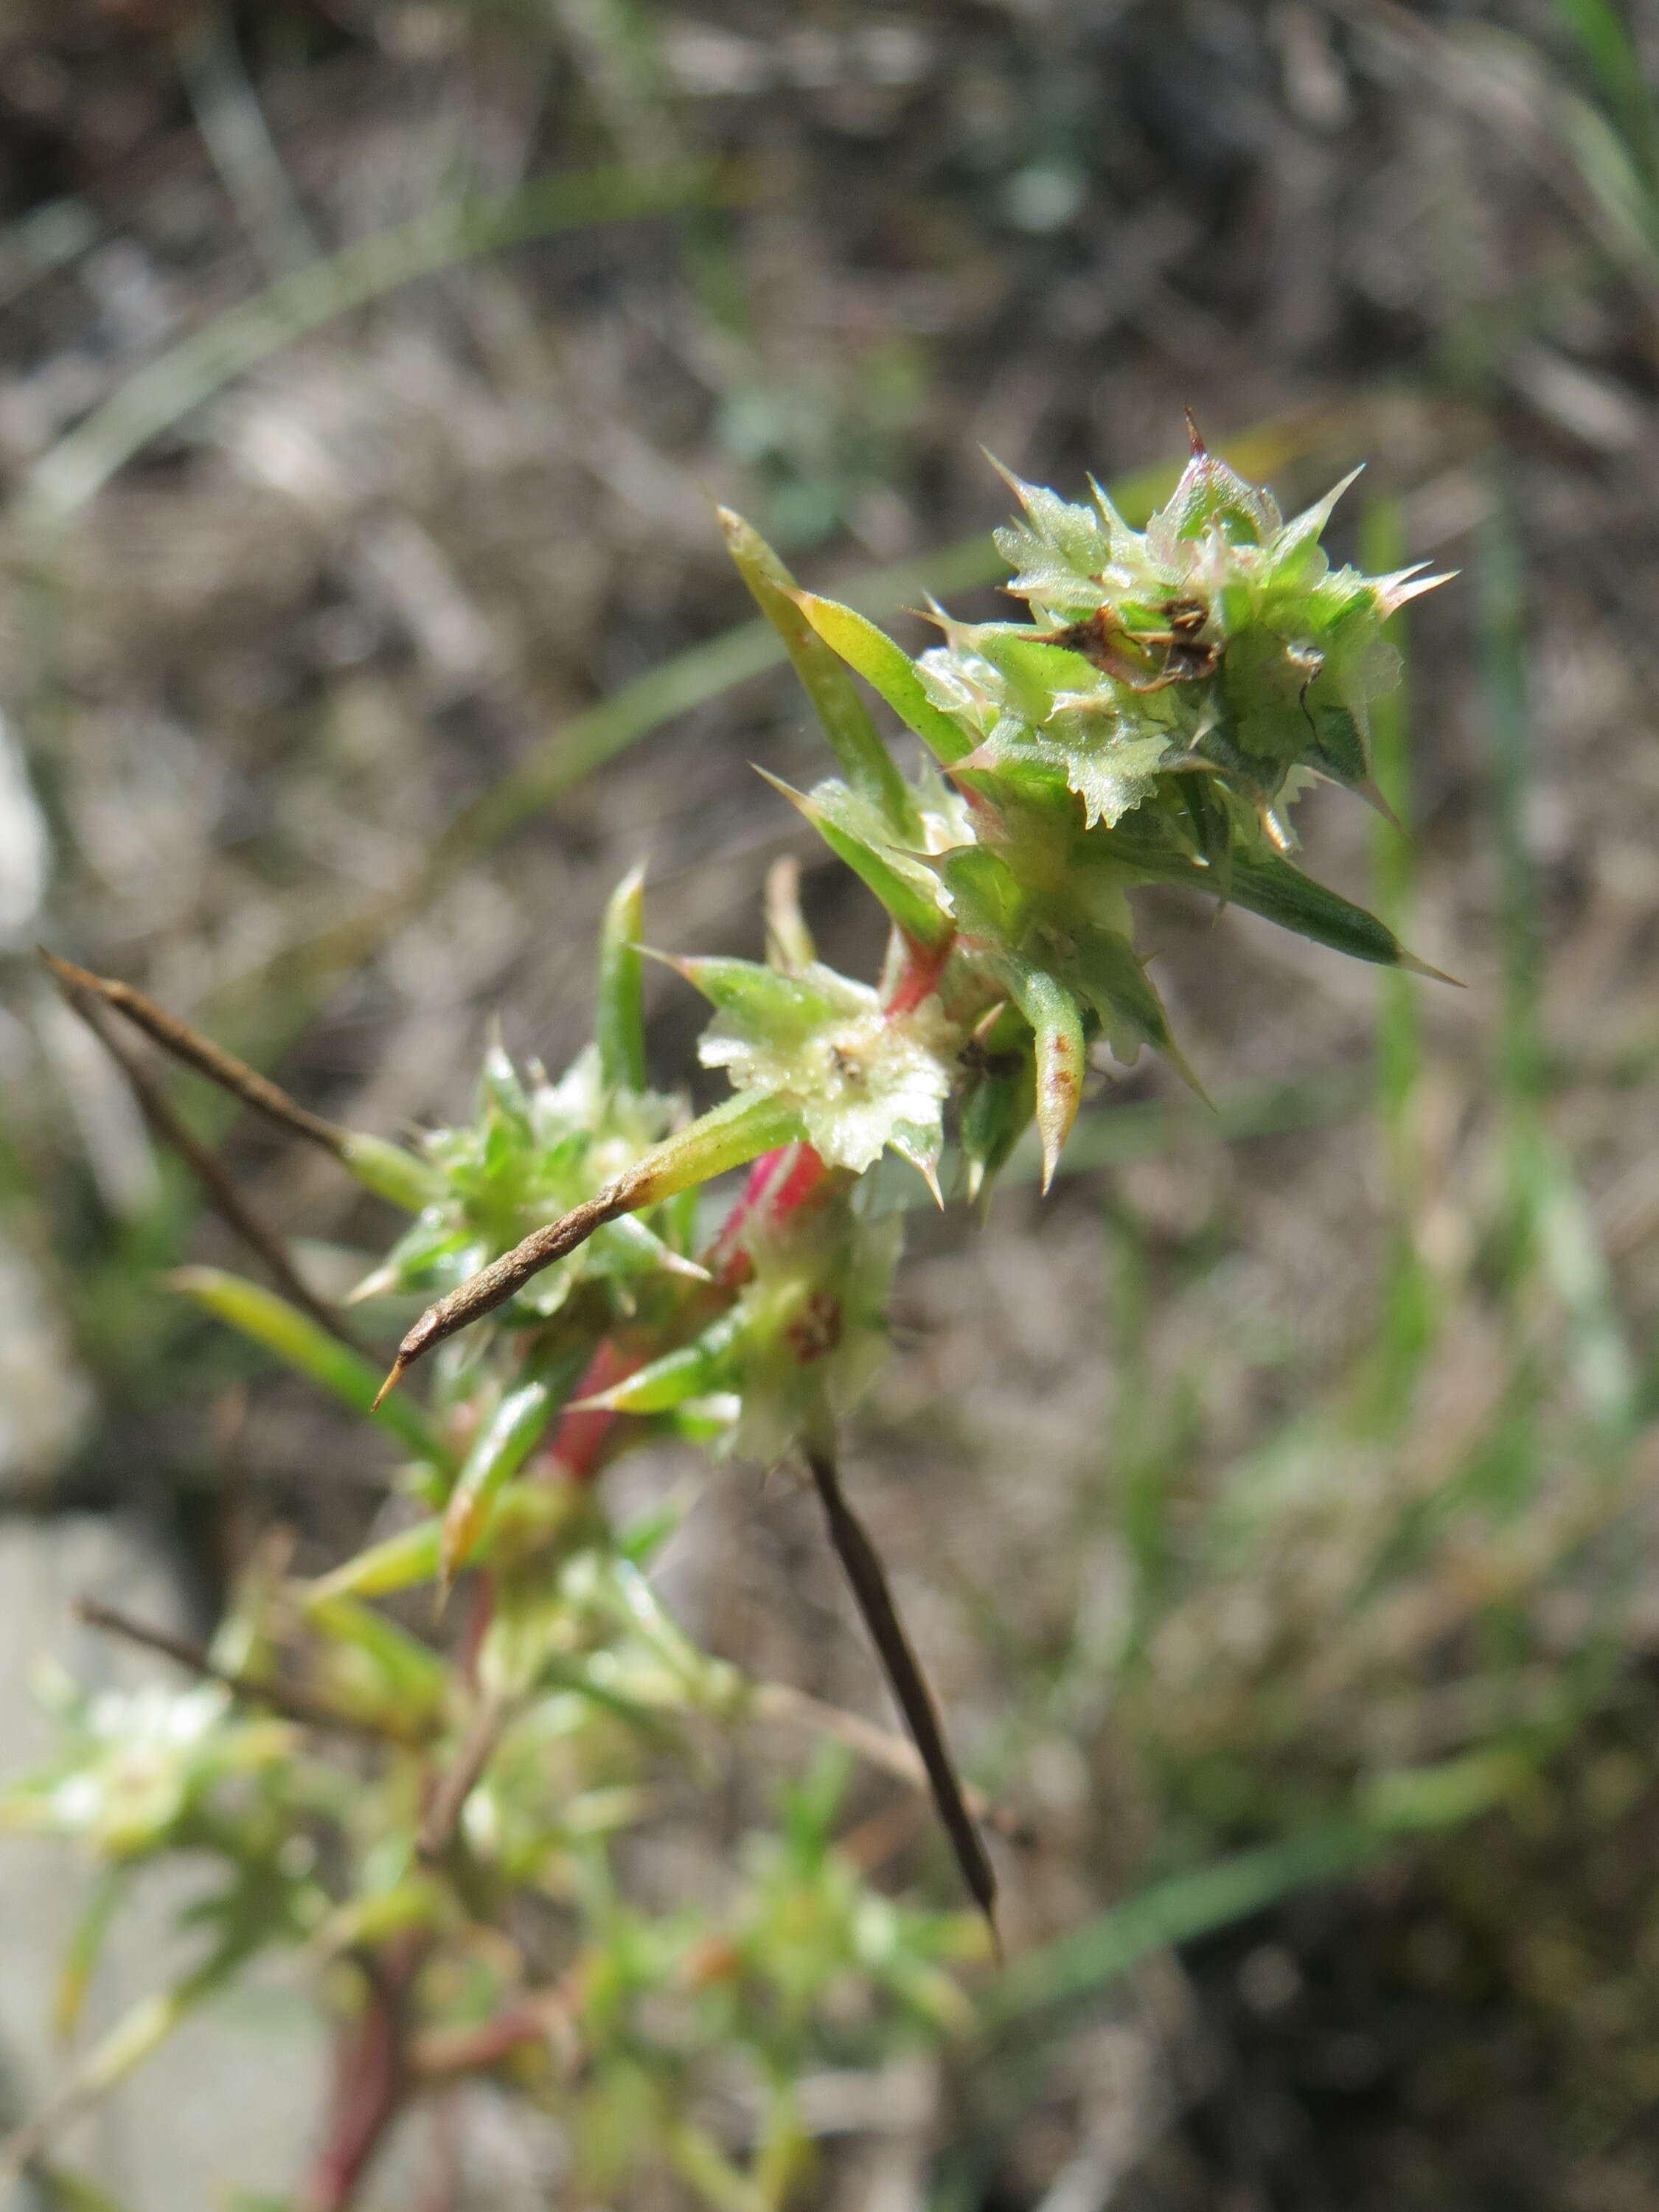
pixel 370 2085
pixel 584 1433
pixel 922 970
pixel 780 1183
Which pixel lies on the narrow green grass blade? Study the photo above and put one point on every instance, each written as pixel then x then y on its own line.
pixel 299 1344
pixel 1615 65
pixel 1382 550
pixel 235 133
pixel 1501 610
pixel 1408 1299
pixel 1599 1353
pixel 1549 1224
pixel 1412 1802
pixel 76 468
pixel 1177 1910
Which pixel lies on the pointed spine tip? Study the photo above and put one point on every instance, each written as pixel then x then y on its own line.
pixel 1371 792
pixel 681 963
pixel 1413 966
pixel 1195 436
pixel 399 1366
pixel 801 799
pixel 1015 484
pixel 677 1263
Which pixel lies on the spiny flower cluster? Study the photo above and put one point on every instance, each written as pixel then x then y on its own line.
pixel 1219 641
pixel 725 1332
pixel 1174 690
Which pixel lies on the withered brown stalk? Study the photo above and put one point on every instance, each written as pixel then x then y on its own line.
pixel 291 1702
pixel 868 1579
pixel 493 1285
pixel 75 985
pixel 201 1053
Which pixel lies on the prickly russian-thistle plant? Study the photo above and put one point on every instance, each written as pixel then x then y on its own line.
pixel 1151 722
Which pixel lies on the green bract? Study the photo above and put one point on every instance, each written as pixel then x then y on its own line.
pixel 859 1076
pixel 1217 638
pixel 534 1149
pixel 805 1337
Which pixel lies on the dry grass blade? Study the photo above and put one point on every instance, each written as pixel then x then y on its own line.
pixel 868 1579
pixel 76 986
pixel 199 1052
pixel 493 1285
pixel 75 470
pixel 293 1705
pixel 894 1754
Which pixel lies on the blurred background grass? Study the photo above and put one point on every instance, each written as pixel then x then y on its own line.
pixel 1275 1504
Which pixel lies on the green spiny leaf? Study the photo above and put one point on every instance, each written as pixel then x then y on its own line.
pixel 1105 971
pixel 834 812
pixel 1280 892
pixel 727 1136
pixel 689 1371
pixel 994 1114
pixel 758 999
pixel 1057 1027
pixel 865 759
pixel 989 898
pixel 619 1017
pixel 410 1672
pixel 390 1172
pixel 889 670
pixel 502 1446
